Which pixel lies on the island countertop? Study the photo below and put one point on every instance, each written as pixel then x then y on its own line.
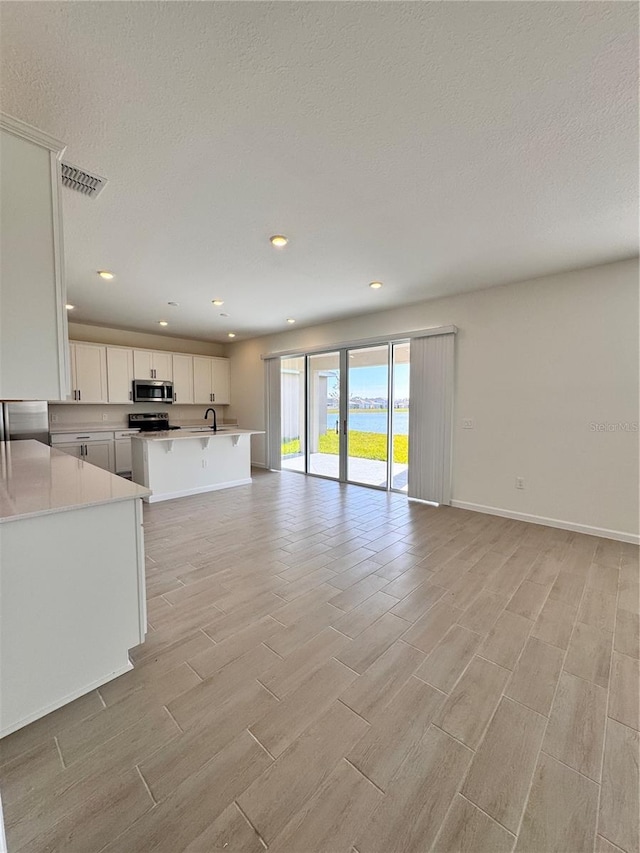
pixel 190 433
pixel 37 480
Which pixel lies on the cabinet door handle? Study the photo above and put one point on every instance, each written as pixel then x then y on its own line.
pixel 175 397
pixel 131 395
pixel 213 398
pixel 79 394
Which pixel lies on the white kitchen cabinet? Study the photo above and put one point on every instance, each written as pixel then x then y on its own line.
pixel 152 364
pixel 182 378
pixel 93 447
pixel 122 445
pixel 120 375
pixel 33 323
pixel 211 380
pixel 88 373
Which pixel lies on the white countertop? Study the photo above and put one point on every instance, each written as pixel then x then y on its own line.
pixel 185 434
pixel 54 429
pixel 37 480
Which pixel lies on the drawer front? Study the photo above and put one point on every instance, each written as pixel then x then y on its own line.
pixel 125 433
pixel 67 437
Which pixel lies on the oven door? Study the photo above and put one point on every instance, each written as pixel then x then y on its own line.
pixel 150 391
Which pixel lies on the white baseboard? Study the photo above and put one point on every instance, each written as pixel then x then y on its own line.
pixel 30 718
pixel 258 465
pixel 619 535
pixel 169 496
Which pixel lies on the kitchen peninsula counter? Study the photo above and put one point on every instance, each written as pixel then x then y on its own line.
pixel 190 461
pixel 72 579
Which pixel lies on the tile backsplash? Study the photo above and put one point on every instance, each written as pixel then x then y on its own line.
pixel 64 415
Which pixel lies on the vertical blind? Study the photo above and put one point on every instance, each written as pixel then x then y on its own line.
pixel 430 422
pixel 273 416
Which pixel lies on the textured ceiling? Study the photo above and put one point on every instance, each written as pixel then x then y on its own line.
pixel 438 147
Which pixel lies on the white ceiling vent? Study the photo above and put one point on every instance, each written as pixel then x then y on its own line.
pixel 81 181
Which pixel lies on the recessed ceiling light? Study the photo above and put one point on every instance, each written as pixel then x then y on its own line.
pixel 105 274
pixel 162 323
pixel 231 335
pixel 69 307
pixel 290 320
pixel 375 285
pixel 224 315
pixel 278 240
pixel 218 301
pixel 173 304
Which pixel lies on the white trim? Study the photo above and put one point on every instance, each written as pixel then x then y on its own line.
pixel 619 535
pixel 32 134
pixel 363 342
pixel 65 701
pixel 3 837
pixel 169 496
pixel 260 465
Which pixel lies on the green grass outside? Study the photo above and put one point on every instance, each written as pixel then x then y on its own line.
pixel 363 445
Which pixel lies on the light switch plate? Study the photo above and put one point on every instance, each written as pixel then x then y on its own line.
pixel 467 423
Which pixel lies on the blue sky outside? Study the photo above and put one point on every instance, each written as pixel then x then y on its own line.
pixel 372 381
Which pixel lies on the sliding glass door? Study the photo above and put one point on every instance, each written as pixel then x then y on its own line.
pixel 337 420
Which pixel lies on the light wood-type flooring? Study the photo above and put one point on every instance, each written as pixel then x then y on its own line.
pixel 332 669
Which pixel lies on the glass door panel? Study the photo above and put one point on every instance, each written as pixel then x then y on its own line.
pixel 323 429
pixel 368 416
pixel 292 415
pixel 400 417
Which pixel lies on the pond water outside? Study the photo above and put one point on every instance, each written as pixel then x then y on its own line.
pixel 376 421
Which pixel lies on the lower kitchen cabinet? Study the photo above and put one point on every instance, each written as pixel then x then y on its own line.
pixel 95 448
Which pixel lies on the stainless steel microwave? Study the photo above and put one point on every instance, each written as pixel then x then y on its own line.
pixel 152 391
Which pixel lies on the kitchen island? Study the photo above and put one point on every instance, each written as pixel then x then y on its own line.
pixel 177 463
pixel 72 595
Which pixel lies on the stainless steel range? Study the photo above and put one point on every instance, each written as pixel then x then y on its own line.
pixel 150 421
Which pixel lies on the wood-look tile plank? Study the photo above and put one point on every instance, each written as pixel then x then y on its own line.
pixel 468 830
pixel 428 630
pixel 202 797
pixel 597 609
pixel 561 811
pixel 333 817
pixel 302 630
pixel 604 578
pixel 286 675
pixel 624 696
pixel 506 639
pixel 418 602
pixel 191 706
pixel 576 726
pixel 604 846
pixel 372 690
pixel 230 832
pixel 408 581
pixel 471 703
pixel 536 675
pixel 627 633
pixel 374 641
pixel 567 588
pixel 416 802
pixel 96 819
pixel 361 617
pixel 528 599
pixel 619 812
pixel 214 657
pixel 281 791
pixel 17 776
pixel 358 592
pixel 554 623
pixel 502 770
pixel 298 710
pixel 448 660
pixel 189 752
pixel 589 654
pixel 482 613
pixel 395 731
pixel 347 578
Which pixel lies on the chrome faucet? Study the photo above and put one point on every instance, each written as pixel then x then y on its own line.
pixel 214 426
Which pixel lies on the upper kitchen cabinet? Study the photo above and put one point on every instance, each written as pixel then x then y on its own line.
pixel 211 380
pixel 120 374
pixel 149 364
pixel 182 378
pixel 88 373
pixel 33 323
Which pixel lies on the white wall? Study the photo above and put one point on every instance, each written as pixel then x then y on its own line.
pixel 141 340
pixel 538 363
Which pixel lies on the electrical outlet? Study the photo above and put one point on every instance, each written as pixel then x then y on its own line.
pixel 204 463
pixel 519 482
pixel 467 423
pixel 104 417
pixel 54 419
